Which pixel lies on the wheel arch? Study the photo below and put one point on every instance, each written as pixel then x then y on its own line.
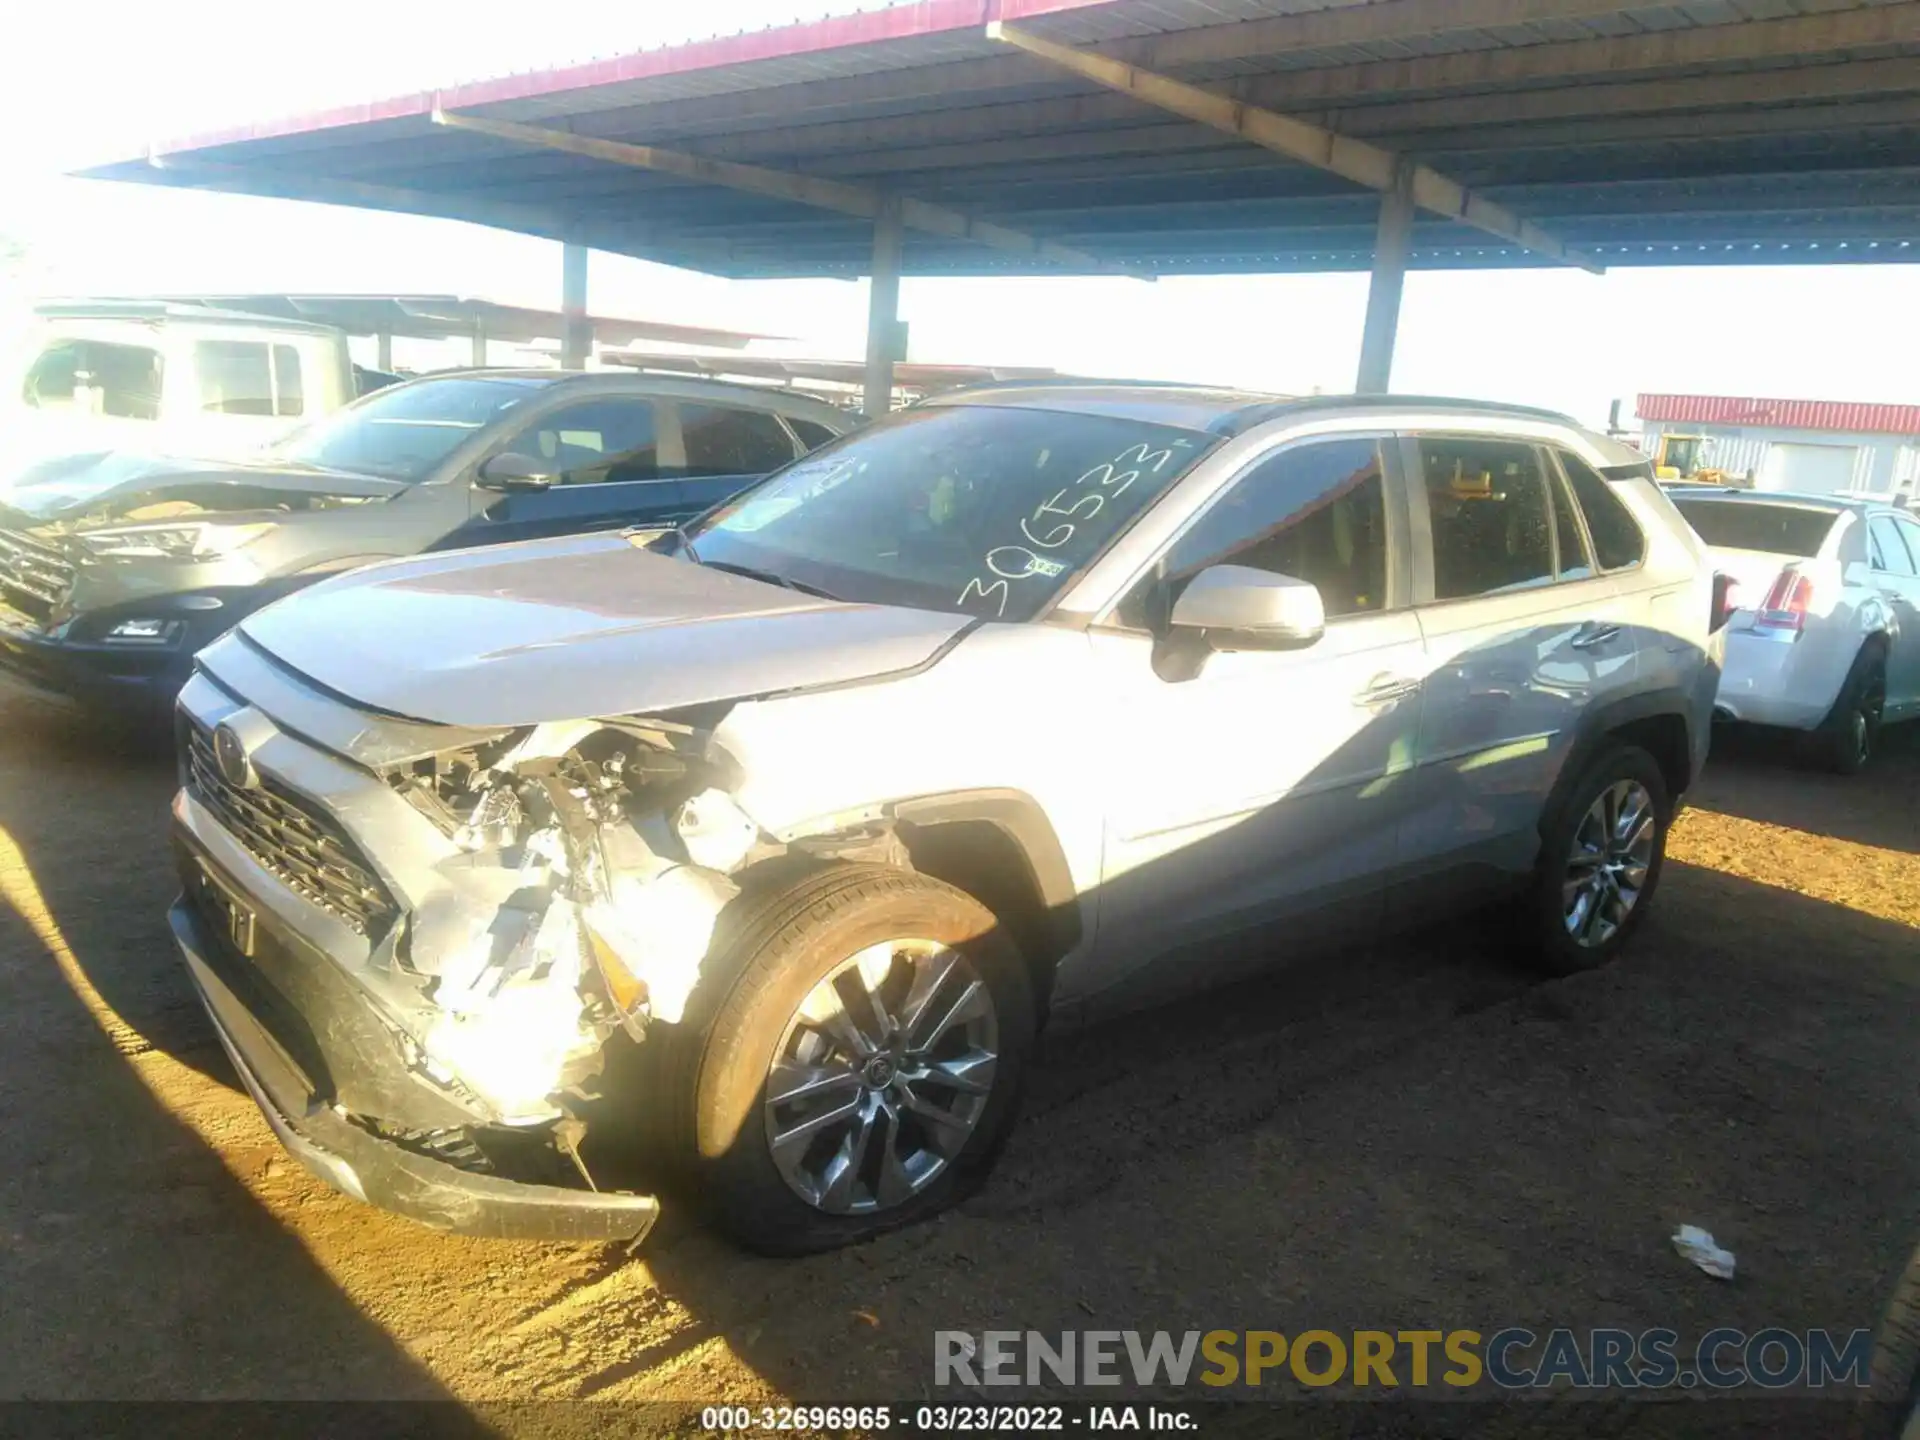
pixel 999 846
pixel 1658 721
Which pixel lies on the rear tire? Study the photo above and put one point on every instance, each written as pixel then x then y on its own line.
pixel 808 956
pixel 1846 739
pixel 1603 846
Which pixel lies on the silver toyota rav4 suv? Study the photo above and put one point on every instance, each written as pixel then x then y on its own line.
pixel 751 857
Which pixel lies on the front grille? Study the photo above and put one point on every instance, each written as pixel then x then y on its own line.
pixel 290 838
pixel 34 577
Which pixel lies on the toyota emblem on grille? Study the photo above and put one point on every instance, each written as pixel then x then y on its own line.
pixel 230 758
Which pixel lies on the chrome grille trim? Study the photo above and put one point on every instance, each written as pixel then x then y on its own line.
pixel 35 577
pixel 302 847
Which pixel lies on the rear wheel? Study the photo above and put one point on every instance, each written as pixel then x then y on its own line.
pixel 1601 854
pixel 1845 741
pixel 863 1069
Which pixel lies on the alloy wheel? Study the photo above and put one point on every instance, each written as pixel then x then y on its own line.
pixel 881 1076
pixel 1608 865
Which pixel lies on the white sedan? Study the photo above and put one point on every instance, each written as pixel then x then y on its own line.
pixel 1825 638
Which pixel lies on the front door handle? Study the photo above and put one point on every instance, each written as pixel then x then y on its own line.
pixel 1592 636
pixel 1384 689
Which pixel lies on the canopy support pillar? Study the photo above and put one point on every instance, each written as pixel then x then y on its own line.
pixel 576 338
pixel 883 310
pixel 1390 248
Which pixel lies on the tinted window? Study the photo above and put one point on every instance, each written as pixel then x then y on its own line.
pixel 596 442
pixel 1757 525
pixel 733 442
pixel 404 432
pixel 1492 521
pixel 970 508
pixel 1315 512
pixel 812 435
pixel 1570 542
pixel 1617 541
pixel 1889 549
pixel 96 378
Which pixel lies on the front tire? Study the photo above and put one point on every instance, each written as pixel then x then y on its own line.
pixel 1602 850
pixel 864 1066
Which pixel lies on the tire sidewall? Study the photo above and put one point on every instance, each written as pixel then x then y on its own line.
pixel 1557 951
pixel 739 1182
pixel 1836 743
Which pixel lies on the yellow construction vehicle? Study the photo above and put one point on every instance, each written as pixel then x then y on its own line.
pixel 1677 457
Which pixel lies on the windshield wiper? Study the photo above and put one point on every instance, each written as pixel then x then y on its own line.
pixel 768 576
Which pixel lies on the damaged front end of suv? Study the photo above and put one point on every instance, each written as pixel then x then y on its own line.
pixel 435 961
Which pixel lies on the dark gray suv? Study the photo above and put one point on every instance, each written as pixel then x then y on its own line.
pixel 115 569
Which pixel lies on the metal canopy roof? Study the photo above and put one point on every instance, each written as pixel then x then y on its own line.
pixel 1709 131
pixel 440 317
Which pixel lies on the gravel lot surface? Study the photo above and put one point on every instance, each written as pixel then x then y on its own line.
pixel 1422 1137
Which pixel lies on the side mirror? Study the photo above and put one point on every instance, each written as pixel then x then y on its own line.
pixel 1238 608
pixel 509 472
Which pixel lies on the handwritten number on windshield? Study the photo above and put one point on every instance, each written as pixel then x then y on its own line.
pixel 1018 562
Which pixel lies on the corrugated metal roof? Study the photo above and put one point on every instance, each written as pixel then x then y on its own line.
pixel 1711 131
pixel 1851 416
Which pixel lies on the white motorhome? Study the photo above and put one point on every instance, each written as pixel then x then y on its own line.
pixel 98 375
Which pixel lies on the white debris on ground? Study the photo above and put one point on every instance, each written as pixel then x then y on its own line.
pixel 1698 1246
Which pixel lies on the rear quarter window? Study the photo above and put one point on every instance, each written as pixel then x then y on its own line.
pixel 1792 530
pixel 1617 541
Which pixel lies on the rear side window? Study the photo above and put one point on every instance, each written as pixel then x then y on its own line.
pixel 1793 530
pixel 1889 548
pixel 812 435
pixel 1491 516
pixel 96 378
pixel 1617 541
pixel 733 442
pixel 245 377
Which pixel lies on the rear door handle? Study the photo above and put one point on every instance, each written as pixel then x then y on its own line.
pixel 1592 636
pixel 1384 689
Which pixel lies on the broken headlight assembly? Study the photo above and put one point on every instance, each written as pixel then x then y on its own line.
pixel 592 863
pixel 199 541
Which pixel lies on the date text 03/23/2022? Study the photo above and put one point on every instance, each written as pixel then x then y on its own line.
pixel 940 1419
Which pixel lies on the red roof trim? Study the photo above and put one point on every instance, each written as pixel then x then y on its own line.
pixel 898 22
pixel 1856 417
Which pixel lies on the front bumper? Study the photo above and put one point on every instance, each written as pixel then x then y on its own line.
pixel 116 678
pixel 377 1171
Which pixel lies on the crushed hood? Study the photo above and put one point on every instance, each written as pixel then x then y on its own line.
pixel 119 485
pixel 578 627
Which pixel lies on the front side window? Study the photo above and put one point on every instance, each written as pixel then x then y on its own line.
pixel 96 377
pixel 1314 512
pixel 1491 516
pixel 1618 542
pixel 732 442
pixel 597 442
pixel 403 433
pixel 1889 549
pixel 979 509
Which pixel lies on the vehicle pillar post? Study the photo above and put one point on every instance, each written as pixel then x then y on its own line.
pixel 883 310
pixel 479 350
pixel 1392 243
pixel 576 338
pixel 383 352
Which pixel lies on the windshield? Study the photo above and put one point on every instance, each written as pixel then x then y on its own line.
pixel 404 433
pixel 1749 525
pixel 973 508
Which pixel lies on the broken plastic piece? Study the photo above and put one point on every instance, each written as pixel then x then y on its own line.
pixel 660 931
pixel 1697 1245
pixel 717 834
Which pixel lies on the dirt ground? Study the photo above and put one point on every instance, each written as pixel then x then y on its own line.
pixel 1420 1137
